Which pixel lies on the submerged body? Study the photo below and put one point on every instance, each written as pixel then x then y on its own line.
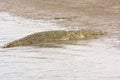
pixel 52 36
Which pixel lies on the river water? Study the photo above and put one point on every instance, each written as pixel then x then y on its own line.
pixel 96 59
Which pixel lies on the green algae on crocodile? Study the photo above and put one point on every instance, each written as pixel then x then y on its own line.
pixel 53 36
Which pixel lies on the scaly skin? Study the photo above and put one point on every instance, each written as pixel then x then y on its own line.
pixel 52 36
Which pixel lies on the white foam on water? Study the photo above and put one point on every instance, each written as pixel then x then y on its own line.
pixel 12 27
pixel 95 60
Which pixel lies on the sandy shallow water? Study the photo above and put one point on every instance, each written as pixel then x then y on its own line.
pixel 96 59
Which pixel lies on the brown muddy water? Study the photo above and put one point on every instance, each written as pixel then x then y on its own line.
pixel 94 59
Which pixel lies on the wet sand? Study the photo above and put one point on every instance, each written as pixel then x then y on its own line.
pixel 101 15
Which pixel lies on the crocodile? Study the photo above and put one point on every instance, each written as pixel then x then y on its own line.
pixel 52 36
